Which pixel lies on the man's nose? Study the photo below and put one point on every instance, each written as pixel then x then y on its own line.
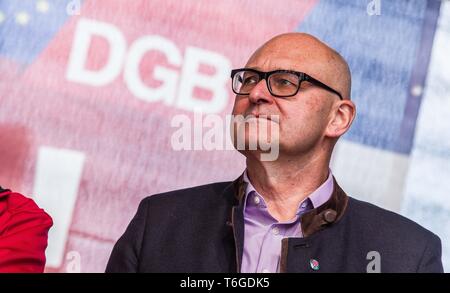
pixel 260 93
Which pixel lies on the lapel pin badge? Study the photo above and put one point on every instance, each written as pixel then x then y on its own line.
pixel 314 264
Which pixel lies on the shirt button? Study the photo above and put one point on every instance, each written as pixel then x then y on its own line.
pixel 256 199
pixel 265 271
pixel 276 231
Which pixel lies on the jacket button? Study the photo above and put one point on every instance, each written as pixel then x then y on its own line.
pixel 329 216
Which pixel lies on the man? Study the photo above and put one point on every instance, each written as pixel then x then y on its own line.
pixel 282 215
pixel 23 234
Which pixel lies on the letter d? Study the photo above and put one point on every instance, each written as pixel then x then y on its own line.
pixel 76 69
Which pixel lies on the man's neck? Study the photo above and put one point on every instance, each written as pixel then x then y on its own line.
pixel 288 181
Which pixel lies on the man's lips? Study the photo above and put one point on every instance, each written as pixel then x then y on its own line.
pixel 273 118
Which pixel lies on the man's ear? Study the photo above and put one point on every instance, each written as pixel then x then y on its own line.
pixel 341 118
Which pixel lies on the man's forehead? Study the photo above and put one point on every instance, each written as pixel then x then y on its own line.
pixel 294 49
pixel 273 62
pixel 305 53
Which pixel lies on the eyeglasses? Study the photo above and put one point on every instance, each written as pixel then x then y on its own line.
pixel 281 83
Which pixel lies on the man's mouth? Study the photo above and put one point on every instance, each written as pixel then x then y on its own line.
pixel 273 118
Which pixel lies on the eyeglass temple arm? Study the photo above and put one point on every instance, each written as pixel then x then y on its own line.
pixel 318 83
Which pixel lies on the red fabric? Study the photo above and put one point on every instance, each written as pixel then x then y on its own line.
pixel 23 234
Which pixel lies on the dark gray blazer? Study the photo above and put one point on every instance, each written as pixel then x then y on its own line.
pixel 201 229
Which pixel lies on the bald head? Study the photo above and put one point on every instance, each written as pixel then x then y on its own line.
pixel 312 120
pixel 306 53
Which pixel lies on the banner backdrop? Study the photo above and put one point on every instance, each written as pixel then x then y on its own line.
pixel 89 91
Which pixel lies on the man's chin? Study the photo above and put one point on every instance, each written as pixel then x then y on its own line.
pixel 253 143
pixel 260 155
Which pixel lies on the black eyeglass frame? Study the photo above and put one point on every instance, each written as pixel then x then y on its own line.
pixel 265 75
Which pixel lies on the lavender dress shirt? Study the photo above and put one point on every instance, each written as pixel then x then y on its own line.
pixel 263 233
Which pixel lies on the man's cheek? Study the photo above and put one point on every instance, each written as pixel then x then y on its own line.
pixel 239 107
pixel 238 111
pixel 313 104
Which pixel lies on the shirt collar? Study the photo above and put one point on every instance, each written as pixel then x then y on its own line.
pixel 318 197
